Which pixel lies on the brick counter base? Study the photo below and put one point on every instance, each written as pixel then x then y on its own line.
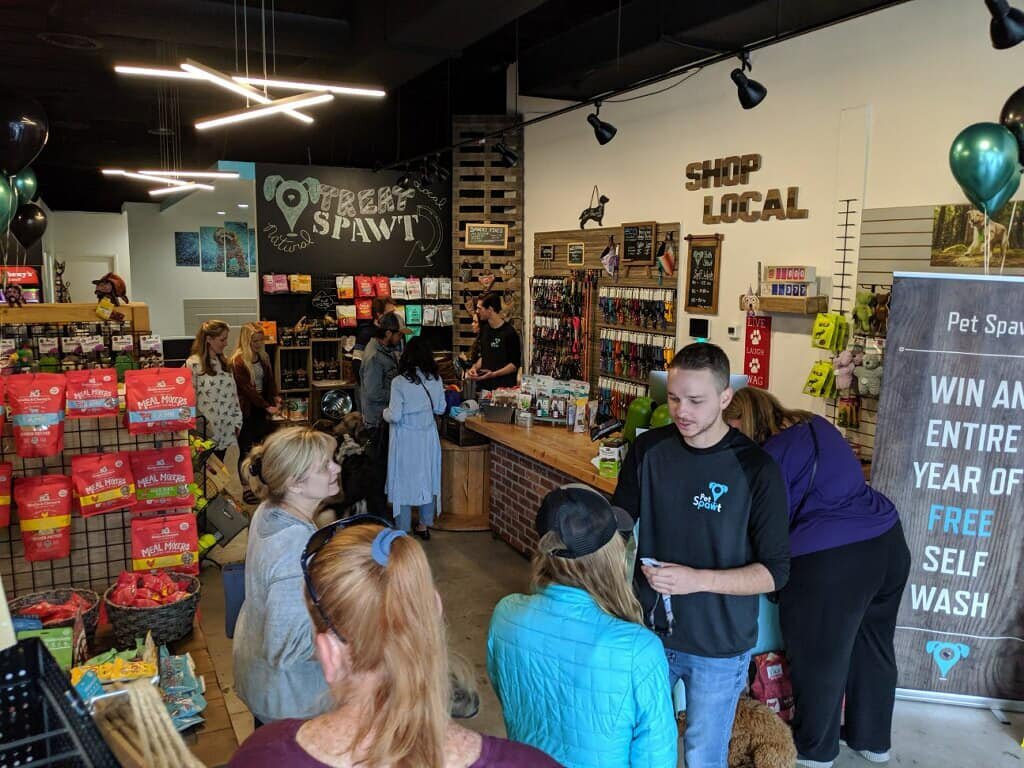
pixel 518 483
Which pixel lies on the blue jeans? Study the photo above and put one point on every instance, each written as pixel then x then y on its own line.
pixel 713 687
pixel 404 519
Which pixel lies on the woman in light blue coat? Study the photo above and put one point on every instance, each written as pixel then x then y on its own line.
pixel 578 675
pixel 414 453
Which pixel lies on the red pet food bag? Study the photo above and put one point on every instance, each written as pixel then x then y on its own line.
pixel 103 482
pixel 772 684
pixel 170 541
pixel 91 393
pixel 382 287
pixel 37 410
pixel 44 514
pixel 6 472
pixel 365 287
pixel 162 477
pixel 159 400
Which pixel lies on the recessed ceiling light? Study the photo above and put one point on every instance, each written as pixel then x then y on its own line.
pixel 67 40
pixel 243 205
pixel 220 213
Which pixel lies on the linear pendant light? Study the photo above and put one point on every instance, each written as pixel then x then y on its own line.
pixel 273 107
pixel 292 85
pixel 221 79
pixel 174 190
pixel 125 69
pixel 142 177
pixel 193 174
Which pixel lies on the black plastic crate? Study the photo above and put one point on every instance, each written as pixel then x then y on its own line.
pixel 43 720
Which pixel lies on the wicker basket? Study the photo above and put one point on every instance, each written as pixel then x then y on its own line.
pixel 57 596
pixel 167 622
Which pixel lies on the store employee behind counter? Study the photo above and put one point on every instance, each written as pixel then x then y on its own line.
pixel 500 349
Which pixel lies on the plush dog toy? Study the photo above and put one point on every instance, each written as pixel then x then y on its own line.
pixel 869 375
pixel 759 738
pixel 843 365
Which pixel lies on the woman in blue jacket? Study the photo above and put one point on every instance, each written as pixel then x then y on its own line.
pixel 577 673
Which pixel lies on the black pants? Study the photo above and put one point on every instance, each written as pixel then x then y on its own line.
pixel 838 617
pixel 254 430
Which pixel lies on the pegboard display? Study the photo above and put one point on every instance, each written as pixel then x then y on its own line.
pixel 485 190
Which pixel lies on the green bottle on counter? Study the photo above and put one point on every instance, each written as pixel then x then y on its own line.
pixel 637 417
pixel 661 416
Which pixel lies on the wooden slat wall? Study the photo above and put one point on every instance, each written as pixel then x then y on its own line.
pixel 484 190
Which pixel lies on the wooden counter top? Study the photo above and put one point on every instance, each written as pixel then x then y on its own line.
pixel 568 452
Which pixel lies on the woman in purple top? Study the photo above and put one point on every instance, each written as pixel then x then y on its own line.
pixel 380 641
pixel 849 565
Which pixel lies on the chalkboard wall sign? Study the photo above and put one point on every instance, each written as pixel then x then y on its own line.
pixel 702 273
pixel 638 240
pixel 547 252
pixel 575 254
pixel 487 236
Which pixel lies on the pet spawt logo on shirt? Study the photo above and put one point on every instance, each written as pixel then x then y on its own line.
pixel 165 542
pixel 711 503
pixel 162 479
pixel 159 400
pixel 91 393
pixel 37 410
pixel 44 515
pixel 103 482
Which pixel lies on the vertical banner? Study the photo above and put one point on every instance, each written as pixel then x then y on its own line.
pixel 949 453
pixel 757 350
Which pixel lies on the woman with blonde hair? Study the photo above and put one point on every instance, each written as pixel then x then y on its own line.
pixel 380 642
pixel 276 672
pixel 849 564
pixel 216 395
pixel 257 391
pixel 577 673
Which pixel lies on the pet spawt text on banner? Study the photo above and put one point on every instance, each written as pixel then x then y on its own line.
pixel 44 515
pixel 103 482
pixel 159 400
pixel 162 479
pixel 91 393
pixel 36 401
pixel 170 542
pixel 6 472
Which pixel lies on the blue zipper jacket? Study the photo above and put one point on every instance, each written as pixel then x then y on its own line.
pixel 589 689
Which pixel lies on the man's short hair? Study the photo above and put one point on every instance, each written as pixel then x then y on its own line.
pixel 490 300
pixel 704 357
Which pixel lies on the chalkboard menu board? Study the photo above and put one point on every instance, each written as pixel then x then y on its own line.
pixel 638 241
pixel 484 236
pixel 702 272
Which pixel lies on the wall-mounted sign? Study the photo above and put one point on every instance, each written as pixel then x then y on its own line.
pixel 702 272
pixel 487 236
pixel 757 350
pixel 547 252
pixel 638 240
pixel 574 254
pixel 735 170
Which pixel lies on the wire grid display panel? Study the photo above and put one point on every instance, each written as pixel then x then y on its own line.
pixel 101 544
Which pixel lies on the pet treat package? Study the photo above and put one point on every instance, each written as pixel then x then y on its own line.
pixel 364 309
pixel 103 482
pixel 364 287
pixel 772 684
pixel 346 286
pixel 162 479
pixel 6 473
pixel 413 289
pixel 44 515
pixel 159 400
pixel 382 287
pixel 170 541
pixel 37 410
pixel 398 289
pixel 91 393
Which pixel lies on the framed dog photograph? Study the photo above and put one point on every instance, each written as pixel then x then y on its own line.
pixel 575 253
pixel 547 252
pixel 487 236
pixel 960 233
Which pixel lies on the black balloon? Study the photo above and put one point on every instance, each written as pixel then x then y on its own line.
pixel 1012 117
pixel 28 224
pixel 24 130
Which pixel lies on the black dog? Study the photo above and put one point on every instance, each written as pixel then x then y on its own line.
pixel 594 214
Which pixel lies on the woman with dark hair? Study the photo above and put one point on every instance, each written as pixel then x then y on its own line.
pixel 414 452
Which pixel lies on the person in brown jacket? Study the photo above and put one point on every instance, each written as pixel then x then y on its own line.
pixel 257 391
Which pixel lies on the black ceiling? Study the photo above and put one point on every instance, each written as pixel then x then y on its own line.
pixel 435 59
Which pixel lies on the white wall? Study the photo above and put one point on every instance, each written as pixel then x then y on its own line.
pixel 924 69
pixel 81 235
pixel 160 283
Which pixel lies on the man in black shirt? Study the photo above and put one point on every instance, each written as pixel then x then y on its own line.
pixel 714 519
pixel 500 350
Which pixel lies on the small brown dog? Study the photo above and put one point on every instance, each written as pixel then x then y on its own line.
pixel 759 738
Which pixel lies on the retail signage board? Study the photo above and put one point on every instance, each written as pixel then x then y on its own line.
pixel 702 274
pixel 757 351
pixel 20 275
pixel 949 452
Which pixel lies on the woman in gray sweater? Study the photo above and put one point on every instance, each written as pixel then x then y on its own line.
pixel 276 672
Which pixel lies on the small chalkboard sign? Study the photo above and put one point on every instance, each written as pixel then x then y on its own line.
pixel 702 273
pixel 575 253
pixel 638 241
pixel 547 252
pixel 487 236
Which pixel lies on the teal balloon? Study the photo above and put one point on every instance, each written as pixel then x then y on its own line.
pixel 8 203
pixel 26 185
pixel 984 159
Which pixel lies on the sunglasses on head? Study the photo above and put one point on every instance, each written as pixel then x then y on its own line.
pixel 317 542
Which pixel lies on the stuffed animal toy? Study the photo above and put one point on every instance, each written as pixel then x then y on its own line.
pixel 759 738
pixel 111 286
pixel 880 316
pixel 843 365
pixel 869 375
pixel 12 295
pixel 864 310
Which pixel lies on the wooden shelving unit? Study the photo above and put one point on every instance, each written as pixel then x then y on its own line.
pixel 800 305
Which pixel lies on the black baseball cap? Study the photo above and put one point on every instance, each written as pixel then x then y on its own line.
pixel 583 519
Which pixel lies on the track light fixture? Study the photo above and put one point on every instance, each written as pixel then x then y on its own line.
pixel 509 157
pixel 603 132
pixel 440 171
pixel 404 181
pixel 750 92
pixel 1007 26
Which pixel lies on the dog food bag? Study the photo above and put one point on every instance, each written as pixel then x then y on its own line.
pixel 159 400
pixel 364 287
pixel 91 393
pixel 398 291
pixel 772 684
pixel 346 286
pixel 413 289
pixel 364 309
pixel 6 473
pixel 103 482
pixel 44 515
pixel 37 410
pixel 170 541
pixel 162 479
pixel 382 287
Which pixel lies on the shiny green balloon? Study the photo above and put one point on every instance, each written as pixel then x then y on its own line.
pixel 8 203
pixel 661 416
pixel 995 203
pixel 26 185
pixel 984 158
